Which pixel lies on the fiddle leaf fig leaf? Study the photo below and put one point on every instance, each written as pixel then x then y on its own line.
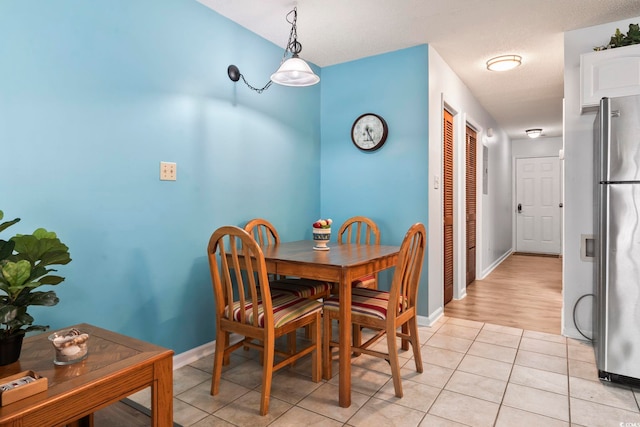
pixel 42 248
pixel 7 313
pixel 41 233
pixel 16 273
pixel 6 249
pixel 7 224
pixel 48 298
pixel 51 280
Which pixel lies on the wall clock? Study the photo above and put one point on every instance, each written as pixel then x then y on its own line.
pixel 369 132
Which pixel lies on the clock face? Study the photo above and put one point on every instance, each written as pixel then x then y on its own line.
pixel 369 132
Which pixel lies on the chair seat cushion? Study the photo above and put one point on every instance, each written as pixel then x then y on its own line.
pixel 302 288
pixel 367 302
pixel 365 282
pixel 286 308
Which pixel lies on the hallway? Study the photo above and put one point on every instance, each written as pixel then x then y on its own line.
pixel 523 292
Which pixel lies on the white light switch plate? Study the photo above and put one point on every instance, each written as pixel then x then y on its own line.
pixel 168 171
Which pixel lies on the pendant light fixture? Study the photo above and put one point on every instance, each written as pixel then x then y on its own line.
pixel 293 70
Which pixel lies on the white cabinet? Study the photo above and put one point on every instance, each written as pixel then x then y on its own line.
pixel 611 72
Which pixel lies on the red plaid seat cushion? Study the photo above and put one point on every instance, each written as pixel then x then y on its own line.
pixel 286 307
pixel 302 288
pixel 368 302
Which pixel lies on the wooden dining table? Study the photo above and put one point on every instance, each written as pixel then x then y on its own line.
pixel 341 264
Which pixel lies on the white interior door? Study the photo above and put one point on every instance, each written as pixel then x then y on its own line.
pixel 538 205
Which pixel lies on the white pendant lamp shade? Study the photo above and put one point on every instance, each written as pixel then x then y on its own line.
pixel 292 72
pixel 295 72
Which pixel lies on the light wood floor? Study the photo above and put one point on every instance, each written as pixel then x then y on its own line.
pixel 523 292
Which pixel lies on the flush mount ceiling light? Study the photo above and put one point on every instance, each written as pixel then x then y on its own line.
pixel 533 133
pixel 504 62
pixel 293 71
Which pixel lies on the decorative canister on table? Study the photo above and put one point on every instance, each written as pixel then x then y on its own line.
pixel 70 346
pixel 321 234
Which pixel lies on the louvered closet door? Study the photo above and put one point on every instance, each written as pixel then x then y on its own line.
pixel 447 190
pixel 471 203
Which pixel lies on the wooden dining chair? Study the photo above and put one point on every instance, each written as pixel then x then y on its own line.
pixel 246 306
pixel 385 312
pixel 265 234
pixel 360 229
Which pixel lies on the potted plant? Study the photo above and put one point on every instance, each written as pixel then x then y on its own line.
pixel 619 39
pixel 24 266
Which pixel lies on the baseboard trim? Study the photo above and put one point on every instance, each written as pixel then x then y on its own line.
pixel 537 254
pixel 190 356
pixel 432 318
pixel 495 265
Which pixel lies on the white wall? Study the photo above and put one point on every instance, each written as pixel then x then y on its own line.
pixel 578 172
pixel 539 147
pixel 493 215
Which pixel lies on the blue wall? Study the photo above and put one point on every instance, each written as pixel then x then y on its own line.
pixel 389 185
pixel 93 95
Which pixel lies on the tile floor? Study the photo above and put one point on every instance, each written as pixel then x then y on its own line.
pixel 475 374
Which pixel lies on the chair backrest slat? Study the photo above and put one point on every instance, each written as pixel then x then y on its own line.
pixel 359 229
pixel 262 231
pixel 406 279
pixel 239 276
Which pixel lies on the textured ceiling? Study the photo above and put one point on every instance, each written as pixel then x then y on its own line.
pixel 464 32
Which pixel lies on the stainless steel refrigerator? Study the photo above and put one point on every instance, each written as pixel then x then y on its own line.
pixel 617 222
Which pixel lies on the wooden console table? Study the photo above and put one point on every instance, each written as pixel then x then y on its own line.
pixel 116 367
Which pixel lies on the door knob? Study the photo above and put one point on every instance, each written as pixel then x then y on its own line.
pixel 519 207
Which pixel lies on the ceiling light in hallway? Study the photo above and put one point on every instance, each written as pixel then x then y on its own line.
pixel 504 62
pixel 533 133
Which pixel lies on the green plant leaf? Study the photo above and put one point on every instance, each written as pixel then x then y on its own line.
pixel 48 298
pixel 22 318
pixel 36 328
pixel 44 250
pixel 50 280
pixel 6 248
pixel 617 39
pixel 8 313
pixel 41 233
pixel 7 224
pixel 633 36
pixel 52 257
pixel 16 273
